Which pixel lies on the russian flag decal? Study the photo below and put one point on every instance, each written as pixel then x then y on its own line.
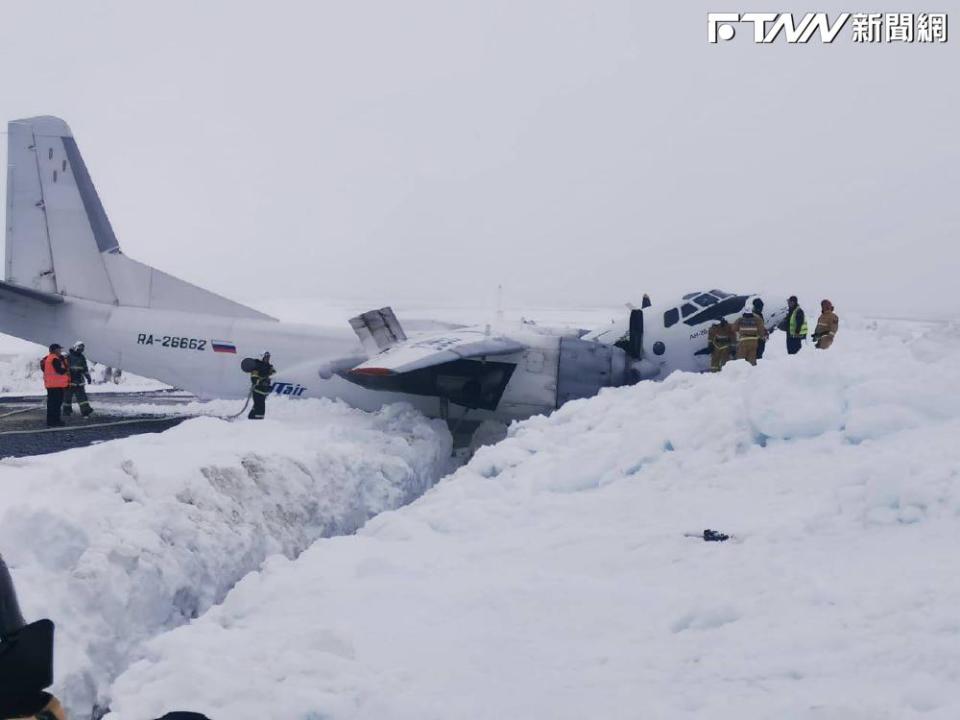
pixel 223 346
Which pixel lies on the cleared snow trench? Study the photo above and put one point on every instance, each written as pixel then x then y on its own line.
pixel 120 541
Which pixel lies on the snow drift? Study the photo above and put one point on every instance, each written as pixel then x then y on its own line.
pixel 551 578
pixel 119 541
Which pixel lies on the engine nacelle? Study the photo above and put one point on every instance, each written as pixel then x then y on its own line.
pixel 585 367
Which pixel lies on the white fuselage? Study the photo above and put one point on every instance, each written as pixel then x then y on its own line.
pixel 178 348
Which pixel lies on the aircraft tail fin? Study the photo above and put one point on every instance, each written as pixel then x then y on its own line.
pixel 59 239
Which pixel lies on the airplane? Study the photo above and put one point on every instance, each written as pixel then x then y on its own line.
pixel 66 277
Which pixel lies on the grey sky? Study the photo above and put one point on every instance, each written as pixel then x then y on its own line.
pixel 577 152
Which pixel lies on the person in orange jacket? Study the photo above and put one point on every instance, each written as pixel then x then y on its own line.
pixel 56 379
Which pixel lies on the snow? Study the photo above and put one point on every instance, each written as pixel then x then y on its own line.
pixel 551 577
pixel 20 374
pixel 120 541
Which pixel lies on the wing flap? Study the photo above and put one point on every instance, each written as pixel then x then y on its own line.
pixel 437 349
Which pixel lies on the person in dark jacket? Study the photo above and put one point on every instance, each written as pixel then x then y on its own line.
pixel 79 376
pixel 260 384
pixel 56 378
pixel 795 326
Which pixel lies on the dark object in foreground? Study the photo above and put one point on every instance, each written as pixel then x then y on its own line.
pixel 714 536
pixel 26 659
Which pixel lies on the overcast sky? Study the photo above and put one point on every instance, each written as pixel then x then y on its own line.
pixel 576 152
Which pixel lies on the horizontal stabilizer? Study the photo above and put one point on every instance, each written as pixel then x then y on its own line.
pixel 436 350
pixel 39 295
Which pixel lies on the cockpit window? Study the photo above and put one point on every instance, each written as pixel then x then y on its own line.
pixel 670 317
pixel 705 300
pixel 687 309
pixel 691 295
pixel 721 294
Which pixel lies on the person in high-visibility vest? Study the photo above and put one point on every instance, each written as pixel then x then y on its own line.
pixel 795 326
pixel 827 326
pixel 56 379
pixel 720 336
pixel 749 331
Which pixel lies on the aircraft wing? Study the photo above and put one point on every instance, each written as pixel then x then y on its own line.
pixel 437 349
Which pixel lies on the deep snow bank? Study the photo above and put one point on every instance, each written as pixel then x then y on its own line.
pixel 119 541
pixel 550 578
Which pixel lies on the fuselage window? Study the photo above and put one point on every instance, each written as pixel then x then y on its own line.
pixel 659 348
pixel 670 317
pixel 705 300
pixel 687 309
pixel 720 293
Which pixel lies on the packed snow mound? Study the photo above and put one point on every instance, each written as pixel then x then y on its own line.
pixel 551 577
pixel 119 541
pixel 21 375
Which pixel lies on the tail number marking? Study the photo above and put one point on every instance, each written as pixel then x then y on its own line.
pixel 169 341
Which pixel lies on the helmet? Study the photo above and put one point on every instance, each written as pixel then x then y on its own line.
pixel 826 305
pixel 792 299
pixel 757 304
pixel 78 345
pixel 266 355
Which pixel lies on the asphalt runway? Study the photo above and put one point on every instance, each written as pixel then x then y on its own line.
pixel 23 429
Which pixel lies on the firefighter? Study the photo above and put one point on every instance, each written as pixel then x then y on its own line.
pixel 827 325
pixel 762 342
pixel 721 339
pixel 56 379
pixel 260 386
pixel 79 376
pixel 795 325
pixel 749 330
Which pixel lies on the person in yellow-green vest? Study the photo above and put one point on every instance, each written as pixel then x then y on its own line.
pixel 795 326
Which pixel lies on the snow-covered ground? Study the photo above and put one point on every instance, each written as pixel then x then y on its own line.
pixel 20 374
pixel 551 578
pixel 120 541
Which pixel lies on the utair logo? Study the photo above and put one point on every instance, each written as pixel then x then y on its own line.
pixel 285 388
pixel 768 26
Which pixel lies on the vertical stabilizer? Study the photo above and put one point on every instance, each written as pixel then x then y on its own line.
pixel 59 239
pixel 56 225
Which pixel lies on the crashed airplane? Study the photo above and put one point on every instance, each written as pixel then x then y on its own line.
pixel 66 277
